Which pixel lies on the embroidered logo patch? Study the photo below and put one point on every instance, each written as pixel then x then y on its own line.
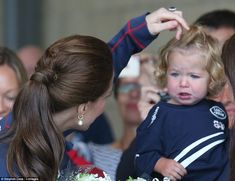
pixel 218 112
pixel 219 125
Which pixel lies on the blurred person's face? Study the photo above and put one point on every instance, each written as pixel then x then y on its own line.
pixel 128 95
pixel 29 57
pixel 9 88
pixel 227 99
pixel 221 34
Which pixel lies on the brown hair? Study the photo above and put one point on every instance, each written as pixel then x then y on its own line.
pixel 9 58
pixel 197 39
pixel 72 71
pixel 228 58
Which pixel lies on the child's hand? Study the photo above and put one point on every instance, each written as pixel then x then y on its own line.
pixel 170 168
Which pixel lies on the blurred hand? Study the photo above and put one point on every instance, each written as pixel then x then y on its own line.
pixel 148 99
pixel 170 168
pixel 162 19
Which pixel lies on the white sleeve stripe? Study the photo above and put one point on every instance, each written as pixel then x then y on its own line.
pixel 194 144
pixel 200 152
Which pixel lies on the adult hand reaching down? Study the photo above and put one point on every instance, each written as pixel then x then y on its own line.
pixel 163 19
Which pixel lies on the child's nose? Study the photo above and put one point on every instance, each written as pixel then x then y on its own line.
pixel 184 82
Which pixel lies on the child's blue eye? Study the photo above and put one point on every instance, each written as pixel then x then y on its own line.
pixel 174 74
pixel 195 76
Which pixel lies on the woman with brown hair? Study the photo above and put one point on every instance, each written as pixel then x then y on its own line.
pixel 68 91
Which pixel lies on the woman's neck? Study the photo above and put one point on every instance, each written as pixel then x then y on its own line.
pixel 65 119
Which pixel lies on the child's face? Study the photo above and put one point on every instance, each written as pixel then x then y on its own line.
pixel 187 78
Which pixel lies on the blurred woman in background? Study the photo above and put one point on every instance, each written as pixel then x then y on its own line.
pixel 12 76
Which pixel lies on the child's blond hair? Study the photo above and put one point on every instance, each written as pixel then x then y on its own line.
pixel 195 39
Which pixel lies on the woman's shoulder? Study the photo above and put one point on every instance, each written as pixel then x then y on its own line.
pixel 6 122
pixel 3 149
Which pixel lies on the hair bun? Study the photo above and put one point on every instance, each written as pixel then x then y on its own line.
pixel 46 77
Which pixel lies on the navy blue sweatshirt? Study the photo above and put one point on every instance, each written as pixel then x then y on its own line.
pixel 195 136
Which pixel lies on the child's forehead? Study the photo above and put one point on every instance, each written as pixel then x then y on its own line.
pixel 189 51
pixel 188 57
pixel 192 53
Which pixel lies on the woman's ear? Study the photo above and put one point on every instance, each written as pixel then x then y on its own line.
pixel 82 109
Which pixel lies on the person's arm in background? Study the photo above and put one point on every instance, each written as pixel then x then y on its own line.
pixel 139 32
